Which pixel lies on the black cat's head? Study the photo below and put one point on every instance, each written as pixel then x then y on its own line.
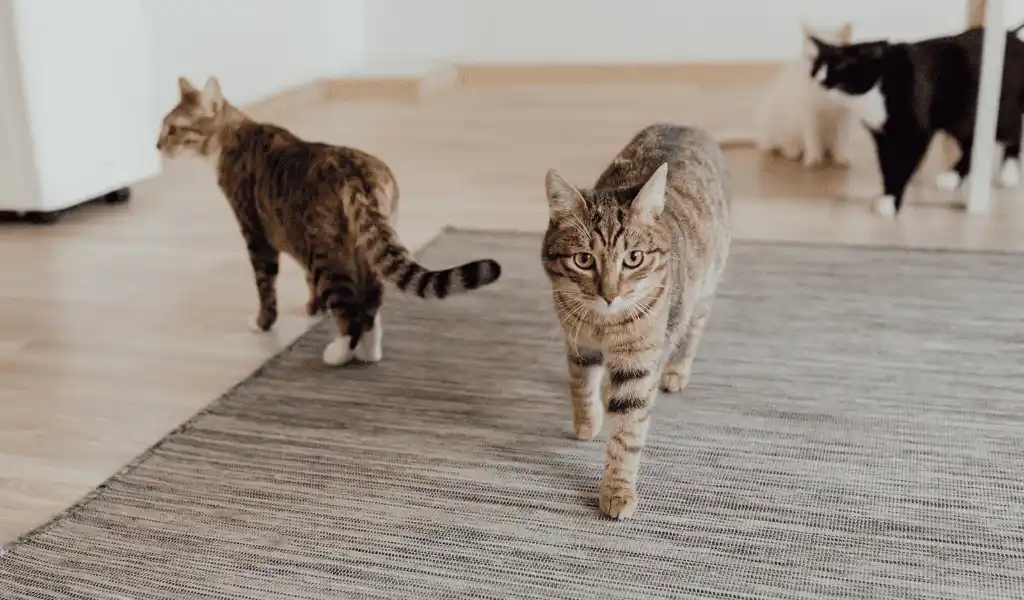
pixel 849 69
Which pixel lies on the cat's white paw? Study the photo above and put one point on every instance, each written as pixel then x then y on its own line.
pixel 1009 175
pixel 813 159
pixel 371 347
pixel 791 151
pixel 841 160
pixel 948 181
pixel 841 155
pixel 885 206
pixel 338 353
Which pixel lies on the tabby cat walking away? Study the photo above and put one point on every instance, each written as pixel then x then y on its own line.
pixel 634 264
pixel 330 208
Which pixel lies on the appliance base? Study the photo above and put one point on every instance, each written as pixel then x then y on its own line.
pixel 50 217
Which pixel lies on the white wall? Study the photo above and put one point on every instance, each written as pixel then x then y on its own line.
pixel 412 32
pixel 255 47
pixel 687 30
pixel 405 36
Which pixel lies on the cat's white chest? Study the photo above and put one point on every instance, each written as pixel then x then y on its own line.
pixel 869 107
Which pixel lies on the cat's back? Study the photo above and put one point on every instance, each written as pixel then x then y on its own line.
pixel 282 160
pixel 259 159
pixel 699 180
pixel 299 189
pixel 961 51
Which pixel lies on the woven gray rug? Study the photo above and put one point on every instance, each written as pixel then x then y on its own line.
pixel 854 429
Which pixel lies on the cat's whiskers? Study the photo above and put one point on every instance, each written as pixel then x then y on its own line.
pixel 632 331
pixel 573 309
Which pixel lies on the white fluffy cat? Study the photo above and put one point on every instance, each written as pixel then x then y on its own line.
pixel 798 118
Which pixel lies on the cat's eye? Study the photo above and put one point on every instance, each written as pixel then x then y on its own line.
pixel 172 129
pixel 634 259
pixel 583 260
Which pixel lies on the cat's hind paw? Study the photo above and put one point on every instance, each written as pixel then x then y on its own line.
pixel 338 353
pixel 1009 175
pixel 371 346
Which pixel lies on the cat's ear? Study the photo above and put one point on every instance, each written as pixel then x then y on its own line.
pixel 649 203
pixel 185 87
pixel 846 33
pixel 807 30
pixel 820 44
pixel 810 49
pixel 563 197
pixel 212 98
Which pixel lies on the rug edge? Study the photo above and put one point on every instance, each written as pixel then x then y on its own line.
pixel 127 468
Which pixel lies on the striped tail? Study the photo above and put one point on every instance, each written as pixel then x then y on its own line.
pixel 395 263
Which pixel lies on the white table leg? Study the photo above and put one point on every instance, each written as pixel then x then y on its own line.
pixel 990 87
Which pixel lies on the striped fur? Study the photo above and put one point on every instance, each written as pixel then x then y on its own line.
pixel 331 208
pixel 634 264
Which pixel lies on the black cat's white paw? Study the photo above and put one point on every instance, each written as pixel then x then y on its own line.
pixel 1009 175
pixel 948 181
pixel 885 206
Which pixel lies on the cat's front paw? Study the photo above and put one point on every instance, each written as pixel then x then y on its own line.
pixel 885 206
pixel 587 416
pixel 586 430
pixel 262 321
pixel 338 353
pixel 948 181
pixel 813 160
pixel 790 151
pixel 841 159
pixel 673 382
pixel 618 501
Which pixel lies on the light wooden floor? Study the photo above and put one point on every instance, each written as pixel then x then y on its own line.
pixel 121 322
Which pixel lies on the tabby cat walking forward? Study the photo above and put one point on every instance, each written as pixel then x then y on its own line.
pixel 330 208
pixel 634 264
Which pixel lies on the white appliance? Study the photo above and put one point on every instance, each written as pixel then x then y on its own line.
pixel 77 112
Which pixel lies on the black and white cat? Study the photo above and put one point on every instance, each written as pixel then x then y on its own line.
pixel 905 93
